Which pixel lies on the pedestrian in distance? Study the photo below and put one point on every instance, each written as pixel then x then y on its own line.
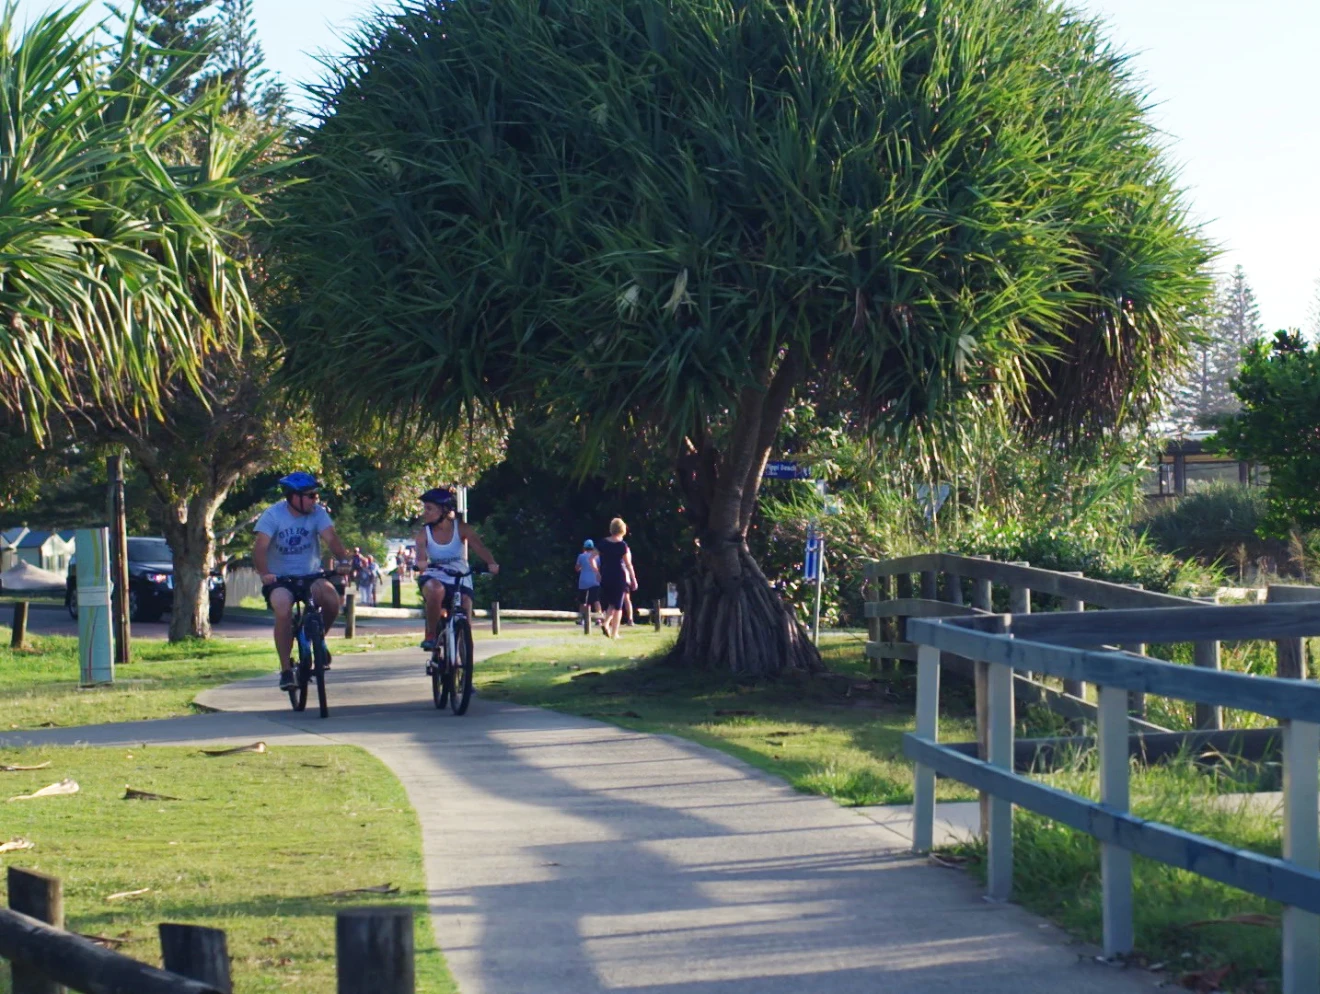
pixel 616 575
pixel 588 571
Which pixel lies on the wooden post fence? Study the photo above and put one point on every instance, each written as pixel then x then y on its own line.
pixel 494 617
pixel 373 950
pixel 350 615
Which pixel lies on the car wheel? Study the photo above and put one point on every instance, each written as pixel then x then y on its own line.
pixel 71 602
pixel 217 612
pixel 135 607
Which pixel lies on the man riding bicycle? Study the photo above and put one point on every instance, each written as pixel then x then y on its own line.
pixel 444 541
pixel 288 546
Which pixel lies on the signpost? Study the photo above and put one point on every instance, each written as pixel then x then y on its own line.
pixel 96 662
pixel 813 568
pixel 785 470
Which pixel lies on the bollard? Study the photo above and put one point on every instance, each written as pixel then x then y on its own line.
pixel 20 625
pixel 38 896
pixel 197 953
pixel 655 615
pixel 374 951
pixel 396 590
pixel 494 617
pixel 586 619
pixel 350 615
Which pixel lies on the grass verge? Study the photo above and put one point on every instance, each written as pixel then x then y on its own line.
pixel 256 845
pixel 1209 936
pixel 837 734
pixel 39 684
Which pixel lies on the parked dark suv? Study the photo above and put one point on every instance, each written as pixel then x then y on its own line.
pixel 150 582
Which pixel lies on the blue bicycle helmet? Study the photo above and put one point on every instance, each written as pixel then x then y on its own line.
pixel 440 496
pixel 299 483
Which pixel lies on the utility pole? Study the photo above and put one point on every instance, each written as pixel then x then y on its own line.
pixel 118 559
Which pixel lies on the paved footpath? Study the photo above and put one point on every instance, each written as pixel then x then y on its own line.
pixel 565 856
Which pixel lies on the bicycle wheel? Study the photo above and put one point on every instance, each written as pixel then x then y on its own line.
pixel 438 675
pixel 460 670
pixel 316 635
pixel 301 672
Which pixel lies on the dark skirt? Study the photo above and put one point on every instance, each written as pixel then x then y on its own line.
pixel 612 593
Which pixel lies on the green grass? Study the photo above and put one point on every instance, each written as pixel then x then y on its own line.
pixel 837 734
pixel 1181 919
pixel 254 846
pixel 39 684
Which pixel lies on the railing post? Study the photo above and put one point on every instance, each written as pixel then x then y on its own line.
pixel 930 585
pixel 19 633
pixel 374 951
pixel 655 615
pixel 1074 687
pixel 903 583
pixel 983 600
pixel 1115 862
pixel 494 617
pixel 396 589
pixel 1019 598
pixel 41 897
pixel 197 953
pixel 350 614
pixel 888 627
pixel 1000 717
pixel 1136 699
pixel 928 727
pixel 586 619
pixel 1301 847
pixel 953 588
pixel 1206 656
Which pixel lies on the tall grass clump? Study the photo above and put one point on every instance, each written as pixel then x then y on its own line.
pixel 1217 524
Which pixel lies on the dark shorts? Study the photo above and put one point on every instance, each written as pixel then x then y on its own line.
pixel 299 588
pixel 423 580
pixel 590 595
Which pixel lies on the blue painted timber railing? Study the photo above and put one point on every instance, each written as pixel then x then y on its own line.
pixel 1056 645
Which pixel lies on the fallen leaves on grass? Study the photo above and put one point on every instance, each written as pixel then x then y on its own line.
pixel 1249 918
pixel 254 747
pixel 133 794
pixel 124 894
pixel 378 889
pixel 15 845
pixel 65 786
pixel 104 941
pixel 1205 981
pixel 5 768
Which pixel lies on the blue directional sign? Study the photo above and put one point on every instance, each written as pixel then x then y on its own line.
pixel 786 470
pixel 811 562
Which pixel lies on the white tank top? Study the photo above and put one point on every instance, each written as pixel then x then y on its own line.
pixel 451 553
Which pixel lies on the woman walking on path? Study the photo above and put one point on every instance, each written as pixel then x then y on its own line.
pixel 588 572
pixel 616 575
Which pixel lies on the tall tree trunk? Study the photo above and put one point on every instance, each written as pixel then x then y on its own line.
pixel 189 528
pixel 732 618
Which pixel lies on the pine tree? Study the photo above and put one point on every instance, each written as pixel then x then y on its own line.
pixel 1205 394
pixel 1238 327
pixel 240 64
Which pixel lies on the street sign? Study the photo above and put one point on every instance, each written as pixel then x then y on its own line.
pixel 932 502
pixel 811 561
pixel 785 470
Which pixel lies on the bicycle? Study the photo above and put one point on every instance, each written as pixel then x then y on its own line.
pixel 309 638
pixel 450 665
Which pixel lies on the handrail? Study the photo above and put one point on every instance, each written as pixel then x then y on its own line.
pixel 1284 699
pixel 997 643
pixel 1042 581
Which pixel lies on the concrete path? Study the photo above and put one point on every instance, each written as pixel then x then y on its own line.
pixel 565 856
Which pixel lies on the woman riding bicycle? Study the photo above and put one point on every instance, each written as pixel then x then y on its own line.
pixel 444 541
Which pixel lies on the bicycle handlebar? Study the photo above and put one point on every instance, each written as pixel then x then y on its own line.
pixel 473 569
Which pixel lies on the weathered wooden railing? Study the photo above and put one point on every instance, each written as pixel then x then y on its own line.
pixel 1057 645
pixel 890 604
pixel 373 950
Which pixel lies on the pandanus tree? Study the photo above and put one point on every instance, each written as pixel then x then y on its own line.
pixel 680 214
pixel 116 274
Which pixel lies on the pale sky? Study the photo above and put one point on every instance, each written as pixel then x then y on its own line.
pixel 1232 84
